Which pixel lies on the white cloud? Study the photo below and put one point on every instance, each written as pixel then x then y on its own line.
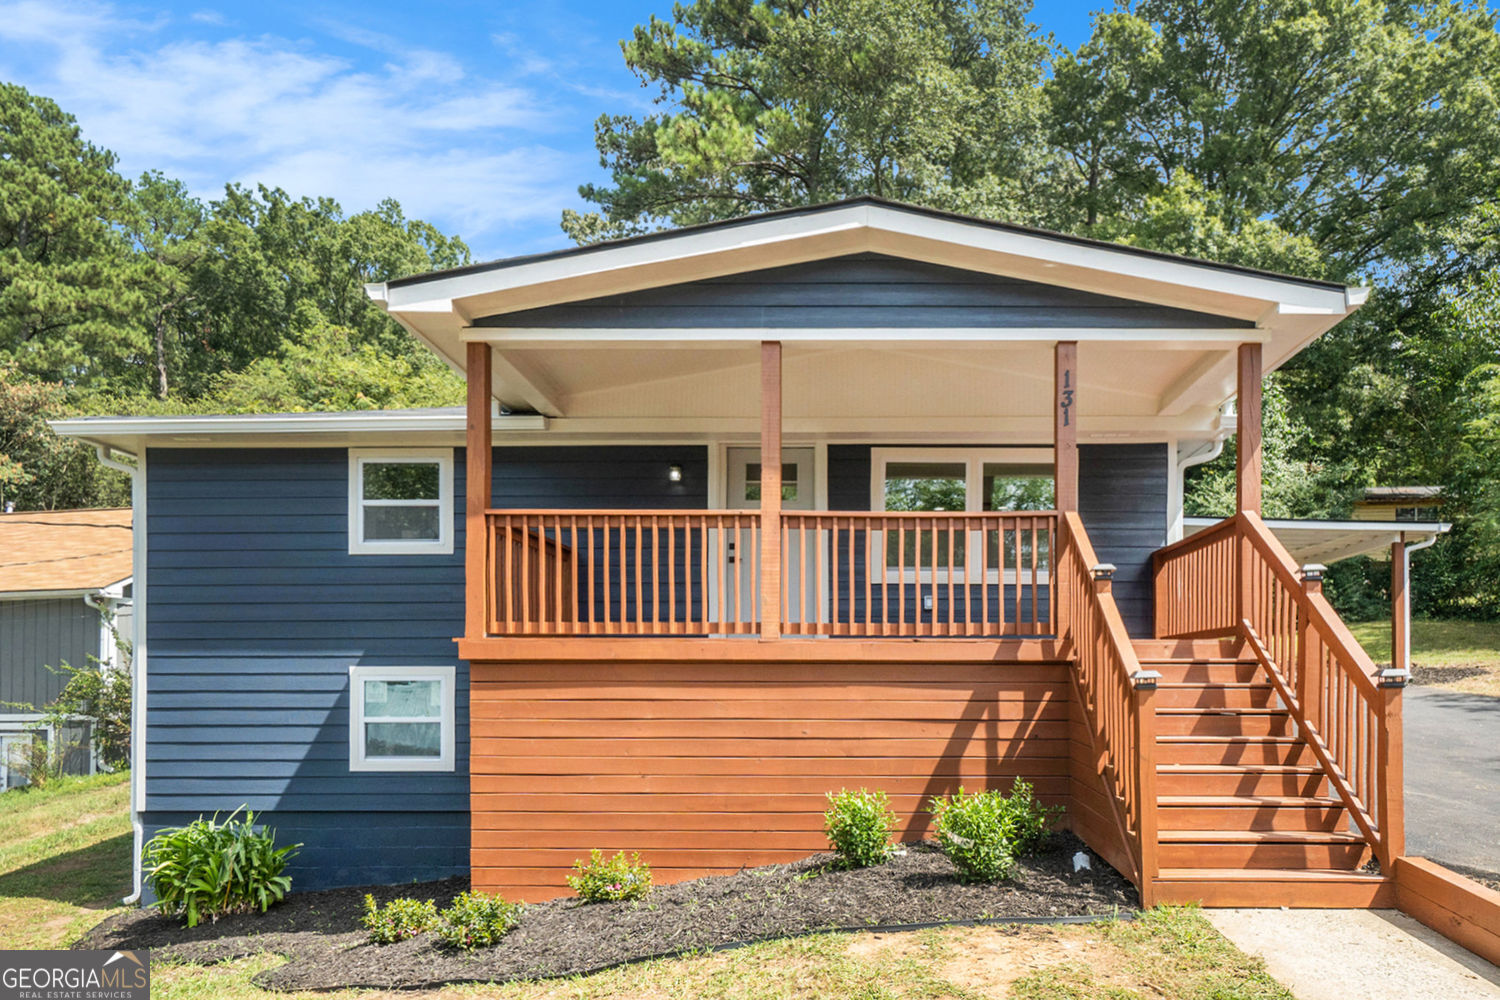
pixel 468 152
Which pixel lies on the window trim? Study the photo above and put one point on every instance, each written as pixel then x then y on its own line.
pixel 359 760
pixel 443 544
pixel 974 460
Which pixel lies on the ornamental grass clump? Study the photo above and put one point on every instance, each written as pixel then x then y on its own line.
pixel 399 919
pixel 208 869
pixel 476 920
pixel 983 833
pixel 859 825
pixel 610 880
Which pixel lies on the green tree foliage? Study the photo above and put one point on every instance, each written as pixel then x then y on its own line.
pixel 129 298
pixel 67 291
pixel 39 470
pixel 790 102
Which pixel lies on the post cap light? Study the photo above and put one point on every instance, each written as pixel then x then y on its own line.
pixel 1392 677
pixel 1104 571
pixel 1313 572
pixel 1145 680
pixel 674 473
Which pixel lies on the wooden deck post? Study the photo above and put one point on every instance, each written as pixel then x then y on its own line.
pixel 1248 430
pixel 1145 762
pixel 1065 425
pixel 770 489
pixel 478 581
pixel 1400 616
pixel 1309 652
pixel 1391 777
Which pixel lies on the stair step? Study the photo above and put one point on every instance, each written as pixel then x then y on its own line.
pixel 1250 812
pixel 1188 649
pixel 1260 837
pixel 1237 779
pixel 1224 722
pixel 1295 855
pixel 1205 671
pixel 1301 887
pixel 1218 695
pixel 1230 750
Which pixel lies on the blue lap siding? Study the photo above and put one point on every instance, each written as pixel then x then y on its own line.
pixel 256 612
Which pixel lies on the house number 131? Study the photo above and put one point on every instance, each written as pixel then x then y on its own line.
pixel 1065 399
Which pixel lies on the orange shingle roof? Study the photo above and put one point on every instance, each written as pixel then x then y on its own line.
pixel 64 549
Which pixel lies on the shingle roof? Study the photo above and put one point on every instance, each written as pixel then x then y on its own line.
pixel 64 549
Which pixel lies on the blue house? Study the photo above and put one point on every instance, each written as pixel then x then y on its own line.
pixel 859 494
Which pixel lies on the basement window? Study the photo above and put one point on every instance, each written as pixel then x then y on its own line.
pixel 400 502
pixel 401 718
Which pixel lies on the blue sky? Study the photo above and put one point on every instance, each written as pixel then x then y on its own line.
pixel 475 116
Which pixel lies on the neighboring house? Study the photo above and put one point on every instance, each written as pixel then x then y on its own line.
pixel 852 495
pixel 1399 503
pixel 66 576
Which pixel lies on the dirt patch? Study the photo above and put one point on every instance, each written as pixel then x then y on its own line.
pixel 319 932
pixel 1448 674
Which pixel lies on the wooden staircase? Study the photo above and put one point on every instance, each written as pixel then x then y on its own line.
pixel 1245 814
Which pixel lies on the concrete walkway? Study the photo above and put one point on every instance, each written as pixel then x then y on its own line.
pixel 1358 955
pixel 1452 777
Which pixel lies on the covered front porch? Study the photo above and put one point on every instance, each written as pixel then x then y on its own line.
pixel 934 536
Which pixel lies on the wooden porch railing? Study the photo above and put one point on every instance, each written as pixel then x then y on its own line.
pixel 1117 699
pixel 1329 684
pixel 603 572
pixel 918 574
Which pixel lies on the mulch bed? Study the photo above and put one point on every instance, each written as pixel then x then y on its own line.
pixel 319 931
pixel 1445 675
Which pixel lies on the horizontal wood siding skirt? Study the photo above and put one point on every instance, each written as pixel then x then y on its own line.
pixel 1456 907
pixel 708 767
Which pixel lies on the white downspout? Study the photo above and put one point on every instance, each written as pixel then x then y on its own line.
pixel 1406 551
pixel 137 474
pixel 1174 530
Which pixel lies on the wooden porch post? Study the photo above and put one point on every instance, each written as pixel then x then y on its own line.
pixel 1247 431
pixel 1065 426
pixel 477 442
pixel 1399 606
pixel 770 489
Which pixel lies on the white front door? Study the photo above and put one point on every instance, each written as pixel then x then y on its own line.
pixel 798 492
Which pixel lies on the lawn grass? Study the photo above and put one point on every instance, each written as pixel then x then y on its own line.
pixel 64 858
pixel 65 861
pixel 1457 655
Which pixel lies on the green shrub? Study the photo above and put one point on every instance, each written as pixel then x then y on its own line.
pixel 601 880
pixel 859 826
pixel 983 833
pixel 477 921
pixel 399 919
pixel 209 869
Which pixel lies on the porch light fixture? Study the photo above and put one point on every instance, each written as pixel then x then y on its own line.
pixel 674 473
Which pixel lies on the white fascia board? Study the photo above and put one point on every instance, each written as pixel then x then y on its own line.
pixel 46 595
pixel 424 296
pixel 1066 253
pixel 862 227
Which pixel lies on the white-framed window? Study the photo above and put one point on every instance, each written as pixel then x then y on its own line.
pixel 972 480
pixel 401 718
pixel 400 502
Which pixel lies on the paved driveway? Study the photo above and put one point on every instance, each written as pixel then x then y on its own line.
pixel 1453 777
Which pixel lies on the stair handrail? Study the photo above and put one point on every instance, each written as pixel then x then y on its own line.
pixel 1116 695
pixel 1246 585
pixel 1316 656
